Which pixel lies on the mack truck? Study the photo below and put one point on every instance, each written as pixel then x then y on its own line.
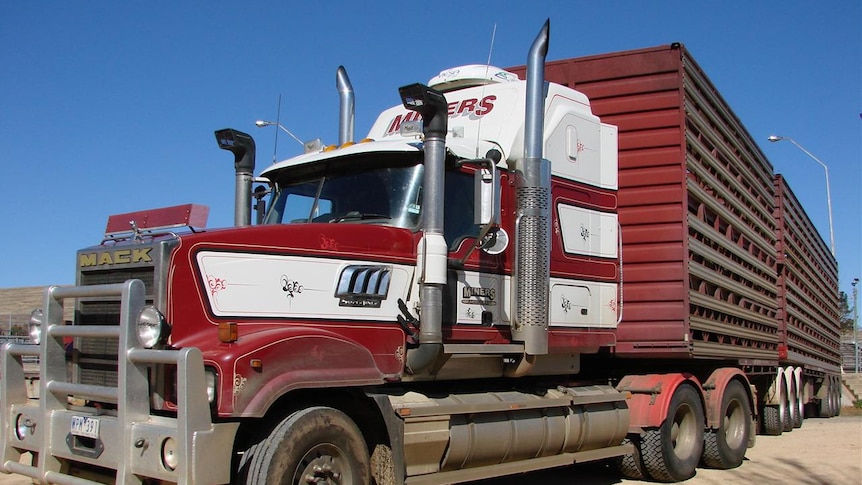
pixel 480 287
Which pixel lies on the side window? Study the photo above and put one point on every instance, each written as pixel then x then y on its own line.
pixel 458 208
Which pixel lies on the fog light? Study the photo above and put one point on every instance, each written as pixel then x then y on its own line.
pixel 170 459
pixel 23 426
pixel 152 327
pixel 35 324
pixel 210 376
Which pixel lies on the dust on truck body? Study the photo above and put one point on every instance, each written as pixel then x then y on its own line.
pixel 438 303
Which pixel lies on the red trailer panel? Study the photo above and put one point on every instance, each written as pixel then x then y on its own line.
pixel 695 205
pixel 807 288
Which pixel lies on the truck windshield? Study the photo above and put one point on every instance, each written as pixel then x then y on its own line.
pixel 382 195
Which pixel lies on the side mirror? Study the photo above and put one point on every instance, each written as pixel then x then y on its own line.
pixel 492 238
pixel 487 192
pixel 260 205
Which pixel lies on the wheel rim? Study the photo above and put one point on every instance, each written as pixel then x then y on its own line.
pixel 324 464
pixel 734 424
pixel 683 432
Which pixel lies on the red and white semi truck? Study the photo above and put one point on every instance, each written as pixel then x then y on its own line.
pixel 495 280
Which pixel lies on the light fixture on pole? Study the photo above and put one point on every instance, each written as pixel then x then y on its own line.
pixel 774 138
pixel 262 123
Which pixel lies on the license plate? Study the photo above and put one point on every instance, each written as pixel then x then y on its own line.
pixel 85 426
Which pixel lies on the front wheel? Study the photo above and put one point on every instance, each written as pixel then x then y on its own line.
pixel 317 445
pixel 671 452
pixel 725 447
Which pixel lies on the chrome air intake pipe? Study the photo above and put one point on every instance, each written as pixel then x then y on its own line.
pixel 533 216
pixel 432 252
pixel 347 111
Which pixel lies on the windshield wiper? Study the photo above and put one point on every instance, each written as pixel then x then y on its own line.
pixel 359 216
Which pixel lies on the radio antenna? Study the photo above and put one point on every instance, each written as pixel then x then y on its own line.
pixel 487 68
pixel 491 49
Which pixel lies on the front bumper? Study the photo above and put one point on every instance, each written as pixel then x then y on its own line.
pixel 137 445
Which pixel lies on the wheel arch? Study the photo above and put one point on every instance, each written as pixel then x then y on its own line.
pixel 714 388
pixel 650 397
pixel 365 410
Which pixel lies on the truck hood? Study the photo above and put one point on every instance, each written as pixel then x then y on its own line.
pixel 294 271
pixel 340 240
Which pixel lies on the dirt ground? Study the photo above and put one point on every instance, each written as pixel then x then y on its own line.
pixel 823 451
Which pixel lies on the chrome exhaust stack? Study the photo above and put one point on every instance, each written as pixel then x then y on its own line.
pixel 532 173
pixel 347 111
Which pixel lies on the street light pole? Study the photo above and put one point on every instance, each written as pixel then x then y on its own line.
pixel 855 325
pixel 774 138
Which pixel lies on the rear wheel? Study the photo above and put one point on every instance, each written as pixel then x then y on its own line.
pixel 825 409
pixel 839 386
pixel 786 409
pixel 671 452
pixel 313 446
pixel 793 416
pixel 632 465
pixel 771 418
pixel 725 447
pixel 800 405
pixel 836 396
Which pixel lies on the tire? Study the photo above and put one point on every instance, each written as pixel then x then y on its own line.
pixel 772 421
pixel 671 452
pixel 798 415
pixel 318 443
pixel 824 407
pixel 790 407
pixel 800 405
pixel 836 403
pixel 725 447
pixel 632 466
pixel 787 410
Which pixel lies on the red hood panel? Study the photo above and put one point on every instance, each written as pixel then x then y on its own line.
pixel 355 241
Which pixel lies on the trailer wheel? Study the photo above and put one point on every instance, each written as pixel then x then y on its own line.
pixel 800 404
pixel 725 447
pixel 314 445
pixel 823 410
pixel 671 452
pixel 772 425
pixel 787 414
pixel 632 466
pixel 839 386
pixel 825 406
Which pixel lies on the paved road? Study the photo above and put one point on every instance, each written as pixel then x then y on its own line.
pixel 823 451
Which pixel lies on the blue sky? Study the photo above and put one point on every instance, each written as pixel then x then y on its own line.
pixel 109 107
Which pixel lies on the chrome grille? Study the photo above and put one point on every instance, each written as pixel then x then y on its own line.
pixel 96 358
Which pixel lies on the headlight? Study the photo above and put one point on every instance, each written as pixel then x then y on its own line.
pixel 35 324
pixel 152 327
pixel 211 380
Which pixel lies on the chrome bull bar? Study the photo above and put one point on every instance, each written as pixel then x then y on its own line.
pixel 135 443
